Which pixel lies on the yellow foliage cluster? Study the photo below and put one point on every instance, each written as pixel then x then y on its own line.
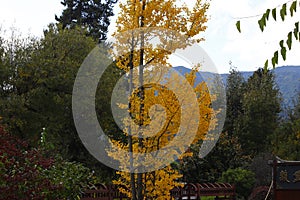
pixel 167 118
pixel 156 112
pixel 163 14
pixel 171 22
pixel 157 184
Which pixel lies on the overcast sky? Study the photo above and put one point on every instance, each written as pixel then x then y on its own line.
pixel 247 50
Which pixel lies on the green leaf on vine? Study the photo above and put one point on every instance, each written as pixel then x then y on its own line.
pixel 293 8
pixel 274 13
pixel 296 30
pixel 281 43
pixel 289 40
pixel 283 12
pixel 275 59
pixel 262 23
pixel 266 65
pixel 238 25
pixel 283 53
pixel 267 14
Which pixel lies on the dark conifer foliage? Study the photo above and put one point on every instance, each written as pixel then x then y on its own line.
pixel 92 14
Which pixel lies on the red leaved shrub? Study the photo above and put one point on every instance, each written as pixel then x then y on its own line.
pixel 20 170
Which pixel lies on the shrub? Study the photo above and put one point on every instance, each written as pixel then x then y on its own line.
pixel 20 170
pixel 242 179
pixel 27 173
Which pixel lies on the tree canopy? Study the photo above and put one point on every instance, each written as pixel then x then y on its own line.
pixel 37 84
pixel 92 14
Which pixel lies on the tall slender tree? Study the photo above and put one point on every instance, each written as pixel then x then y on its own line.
pixel 261 107
pixel 157 184
pixel 234 96
pixel 142 15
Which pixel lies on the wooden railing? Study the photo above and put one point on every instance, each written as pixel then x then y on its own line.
pixel 104 192
pixel 189 191
pixel 197 190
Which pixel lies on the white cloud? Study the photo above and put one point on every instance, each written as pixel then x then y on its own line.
pixel 247 50
pixel 30 16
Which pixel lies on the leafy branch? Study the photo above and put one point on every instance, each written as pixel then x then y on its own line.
pixel 282 10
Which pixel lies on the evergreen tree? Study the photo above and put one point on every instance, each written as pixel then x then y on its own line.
pixel 261 106
pixel 285 142
pixel 234 95
pixel 227 154
pixel 92 14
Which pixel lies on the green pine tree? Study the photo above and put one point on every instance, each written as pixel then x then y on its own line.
pixel 92 14
pixel 261 107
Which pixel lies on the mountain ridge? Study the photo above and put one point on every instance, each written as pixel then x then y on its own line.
pixel 287 79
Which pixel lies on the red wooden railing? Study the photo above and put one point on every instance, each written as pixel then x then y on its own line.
pixel 197 190
pixel 189 191
pixel 103 192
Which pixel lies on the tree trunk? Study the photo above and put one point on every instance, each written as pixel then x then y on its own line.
pixel 140 185
pixel 132 177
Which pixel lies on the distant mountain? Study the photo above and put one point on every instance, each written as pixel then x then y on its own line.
pixel 287 79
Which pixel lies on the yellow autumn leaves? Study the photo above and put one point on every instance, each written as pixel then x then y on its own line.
pixel 148 31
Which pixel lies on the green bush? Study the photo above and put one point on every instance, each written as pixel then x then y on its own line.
pixel 242 179
pixel 72 177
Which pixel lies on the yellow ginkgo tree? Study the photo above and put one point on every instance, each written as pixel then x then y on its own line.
pixel 159 101
pixel 148 31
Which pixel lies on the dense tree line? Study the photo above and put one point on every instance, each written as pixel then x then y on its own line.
pixel 37 77
pixel 253 133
